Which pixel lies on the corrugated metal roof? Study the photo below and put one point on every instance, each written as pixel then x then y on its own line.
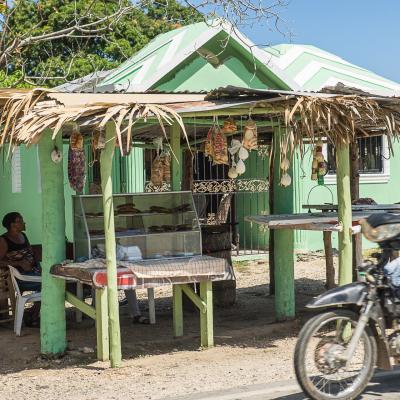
pixel 169 50
pixel 313 69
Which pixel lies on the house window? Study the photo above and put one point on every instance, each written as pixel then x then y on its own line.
pixel 374 164
pixel 16 173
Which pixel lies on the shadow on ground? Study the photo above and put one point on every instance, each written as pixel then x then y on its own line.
pixel 248 323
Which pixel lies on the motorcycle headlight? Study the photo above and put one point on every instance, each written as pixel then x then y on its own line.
pixel 379 233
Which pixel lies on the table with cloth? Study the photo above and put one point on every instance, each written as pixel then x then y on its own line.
pixel 178 272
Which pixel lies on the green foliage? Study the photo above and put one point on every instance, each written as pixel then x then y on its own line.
pixel 71 57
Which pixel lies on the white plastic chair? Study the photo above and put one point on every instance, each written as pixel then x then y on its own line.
pixel 21 300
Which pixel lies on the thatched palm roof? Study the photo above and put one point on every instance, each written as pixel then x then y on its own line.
pixel 339 117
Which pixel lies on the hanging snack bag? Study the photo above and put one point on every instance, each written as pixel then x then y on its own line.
pixel 166 167
pixel 98 140
pixel 76 140
pixel 250 135
pixel 157 171
pixel 220 148
pixel 229 126
pixel 76 163
pixel 208 145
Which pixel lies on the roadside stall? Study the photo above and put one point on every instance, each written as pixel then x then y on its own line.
pixel 46 118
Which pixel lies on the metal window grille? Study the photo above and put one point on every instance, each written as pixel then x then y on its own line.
pixel 370 152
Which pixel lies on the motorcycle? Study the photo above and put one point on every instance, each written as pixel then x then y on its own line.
pixel 357 326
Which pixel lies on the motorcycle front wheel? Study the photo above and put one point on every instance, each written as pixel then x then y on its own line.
pixel 319 368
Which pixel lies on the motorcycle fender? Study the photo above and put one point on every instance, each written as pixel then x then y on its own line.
pixel 353 293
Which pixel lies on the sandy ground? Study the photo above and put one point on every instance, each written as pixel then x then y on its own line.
pixel 250 348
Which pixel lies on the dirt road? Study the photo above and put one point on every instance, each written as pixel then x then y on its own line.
pixel 250 349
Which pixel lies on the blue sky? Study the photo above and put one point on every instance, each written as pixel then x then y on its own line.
pixel 364 32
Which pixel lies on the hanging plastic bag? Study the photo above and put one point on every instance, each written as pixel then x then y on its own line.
pixel 220 148
pixel 229 126
pixel 76 168
pixel 250 135
pixel 208 145
pixel 76 140
pixel 166 167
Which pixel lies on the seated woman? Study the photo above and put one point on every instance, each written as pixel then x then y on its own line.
pixel 15 250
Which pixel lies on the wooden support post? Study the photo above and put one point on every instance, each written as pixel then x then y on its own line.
pixel 106 158
pixel 177 310
pixel 52 325
pixel 271 245
pixel 176 157
pixel 344 211
pixel 283 241
pixel 284 274
pixel 206 318
pixel 355 195
pixel 103 341
pixel 330 269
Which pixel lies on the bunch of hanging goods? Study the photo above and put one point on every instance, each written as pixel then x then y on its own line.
pixel 76 161
pixel 239 150
pixel 319 165
pixel 161 165
pixel 216 146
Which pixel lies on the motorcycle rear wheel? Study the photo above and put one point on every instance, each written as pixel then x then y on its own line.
pixel 323 388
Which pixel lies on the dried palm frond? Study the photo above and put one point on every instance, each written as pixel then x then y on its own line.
pixel 339 118
pixel 24 118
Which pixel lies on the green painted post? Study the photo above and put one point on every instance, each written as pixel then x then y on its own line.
pixel 106 158
pixel 52 326
pixel 103 340
pixel 206 318
pixel 284 274
pixel 176 157
pixel 177 313
pixel 345 215
pixel 283 240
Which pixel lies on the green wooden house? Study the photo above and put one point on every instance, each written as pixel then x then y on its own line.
pixel 199 58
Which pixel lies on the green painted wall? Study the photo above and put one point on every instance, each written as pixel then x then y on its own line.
pixel 28 202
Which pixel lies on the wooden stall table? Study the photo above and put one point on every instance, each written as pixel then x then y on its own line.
pixel 178 272
pixel 327 222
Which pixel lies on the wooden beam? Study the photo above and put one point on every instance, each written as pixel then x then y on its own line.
pixel 345 213
pixel 52 326
pixel 355 195
pixel 283 241
pixel 106 158
pixel 206 316
pixel 196 300
pixel 80 305
pixel 330 269
pixel 176 157
pixel 177 310
pixel 103 339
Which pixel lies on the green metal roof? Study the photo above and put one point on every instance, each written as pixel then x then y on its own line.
pixel 312 69
pixel 197 57
pixel 202 57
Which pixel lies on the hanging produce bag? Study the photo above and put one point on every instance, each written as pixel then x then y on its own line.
pixel 76 169
pixel 76 140
pixel 157 170
pixel 98 140
pixel 166 167
pixel 209 145
pixel 250 135
pixel 229 126
pixel 220 148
